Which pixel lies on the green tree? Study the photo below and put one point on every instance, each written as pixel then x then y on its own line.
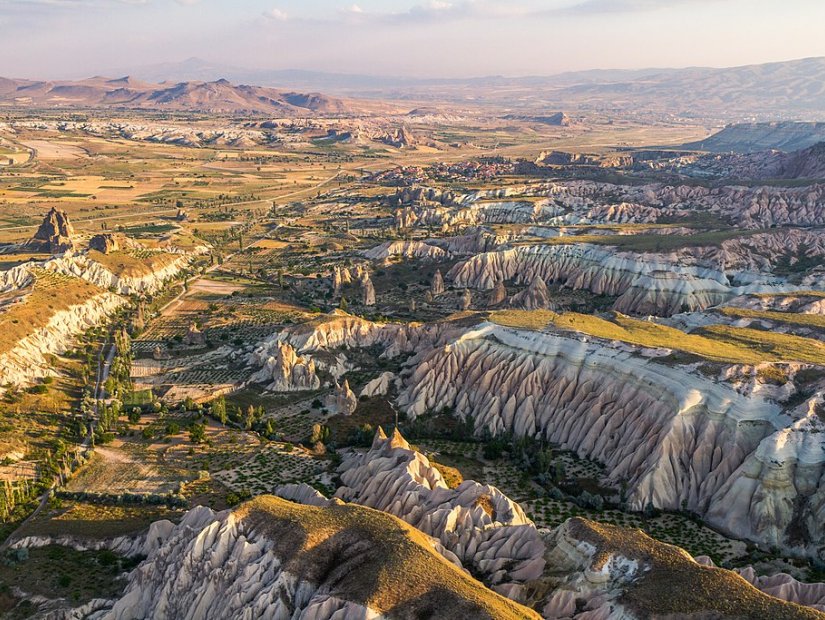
pixel 197 433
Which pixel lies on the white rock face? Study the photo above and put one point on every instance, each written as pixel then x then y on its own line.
pixel 678 439
pixel 283 369
pixel 340 277
pixel 214 565
pixel 407 250
pixel 26 362
pixel 379 386
pixel 82 266
pixel 644 283
pixel 343 399
pixel 487 532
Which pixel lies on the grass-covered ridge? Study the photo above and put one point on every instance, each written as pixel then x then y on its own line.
pixel 133 263
pixel 374 559
pixel 720 343
pixel 649 242
pixel 676 586
pixel 791 318
pixel 51 293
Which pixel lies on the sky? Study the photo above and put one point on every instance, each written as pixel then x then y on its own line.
pixel 410 38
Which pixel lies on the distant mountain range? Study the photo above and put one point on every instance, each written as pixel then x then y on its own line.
pixel 219 96
pixel 756 137
pixel 792 90
pixel 780 90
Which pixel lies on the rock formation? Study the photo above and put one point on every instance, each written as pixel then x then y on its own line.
pixel 340 277
pixel 466 301
pixel 105 243
pixel 367 290
pixel 534 297
pixel 344 400
pixel 194 337
pixel 379 386
pixel 283 370
pixel 603 571
pixel 407 250
pixel 675 438
pixel 437 286
pixel 643 283
pixel 499 294
pixel 256 562
pixel 54 234
pixel 476 522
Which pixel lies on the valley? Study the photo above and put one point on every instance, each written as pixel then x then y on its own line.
pixel 307 356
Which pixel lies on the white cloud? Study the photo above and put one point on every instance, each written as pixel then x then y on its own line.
pixel 276 14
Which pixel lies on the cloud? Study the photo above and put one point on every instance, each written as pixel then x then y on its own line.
pixel 276 15
pixel 624 6
pixel 442 10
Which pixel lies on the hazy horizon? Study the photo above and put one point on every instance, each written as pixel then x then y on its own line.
pixel 72 39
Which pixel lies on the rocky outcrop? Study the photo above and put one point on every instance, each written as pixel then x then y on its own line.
pixel 55 234
pixel 643 283
pixel 271 558
pixel 407 250
pixel 380 386
pixel 534 297
pixel 340 277
pixel 676 439
pixel 780 585
pixel 367 291
pixel 282 369
pixel 148 282
pixel 27 361
pixel 437 285
pixel 499 294
pixel 603 571
pixel 486 531
pixel 105 243
pixel 343 399
pixel 466 300
pixel 194 336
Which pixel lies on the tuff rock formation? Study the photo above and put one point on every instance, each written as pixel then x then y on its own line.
pixel 344 400
pixel 379 386
pixel 673 437
pixel 478 523
pixel 105 243
pixel 367 290
pixel 581 569
pixel 340 277
pixel 283 370
pixel 271 558
pixel 194 337
pixel 407 250
pixel 499 294
pixel 437 286
pixel 643 284
pixel 534 297
pixel 54 234
pixel 466 300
